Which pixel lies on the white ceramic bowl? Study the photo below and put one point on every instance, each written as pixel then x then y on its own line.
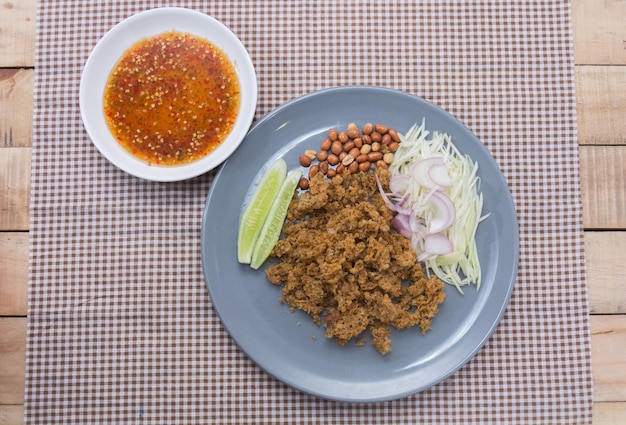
pixel 121 37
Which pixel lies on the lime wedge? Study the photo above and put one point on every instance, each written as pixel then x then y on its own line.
pixel 276 218
pixel 258 207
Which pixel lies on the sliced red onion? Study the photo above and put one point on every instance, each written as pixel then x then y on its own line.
pixel 419 171
pixel 399 184
pixel 431 173
pixel 386 199
pixel 425 256
pixel 427 239
pixel 438 244
pixel 438 174
pixel 390 205
pixel 417 243
pixel 445 212
pixel 401 222
pixel 417 226
pixel 402 202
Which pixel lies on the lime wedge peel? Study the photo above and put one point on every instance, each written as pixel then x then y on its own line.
pixel 270 233
pixel 258 208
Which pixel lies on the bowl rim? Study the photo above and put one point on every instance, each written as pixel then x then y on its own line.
pixel 116 41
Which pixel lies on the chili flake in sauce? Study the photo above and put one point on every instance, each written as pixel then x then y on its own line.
pixel 171 98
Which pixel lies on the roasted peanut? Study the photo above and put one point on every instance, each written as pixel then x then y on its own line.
pixel 364 166
pixel 350 151
pixel 354 152
pixel 381 128
pixel 332 135
pixel 336 147
pixel 347 160
pixel 303 183
pixel 326 143
pixel 394 135
pixel 315 168
pixel 361 158
pixel 374 156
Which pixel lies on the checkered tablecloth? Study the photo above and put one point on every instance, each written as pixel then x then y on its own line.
pixel 121 328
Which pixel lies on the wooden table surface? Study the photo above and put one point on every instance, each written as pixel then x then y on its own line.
pixel 599 28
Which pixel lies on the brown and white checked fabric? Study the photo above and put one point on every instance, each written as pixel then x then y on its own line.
pixel 120 325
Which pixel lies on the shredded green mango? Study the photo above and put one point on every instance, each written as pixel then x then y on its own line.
pixel 462 266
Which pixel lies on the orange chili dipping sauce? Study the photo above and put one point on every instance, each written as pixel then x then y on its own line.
pixel 171 98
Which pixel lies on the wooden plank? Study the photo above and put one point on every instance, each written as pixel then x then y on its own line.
pixel 601 104
pixel 13 273
pixel 603 414
pixel 16 107
pixel 608 336
pixel 12 414
pixel 606 271
pixel 17 38
pixel 14 188
pixel 609 413
pixel 599 28
pixel 603 186
pixel 12 359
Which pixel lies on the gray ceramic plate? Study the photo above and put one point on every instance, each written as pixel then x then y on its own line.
pixel 289 346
